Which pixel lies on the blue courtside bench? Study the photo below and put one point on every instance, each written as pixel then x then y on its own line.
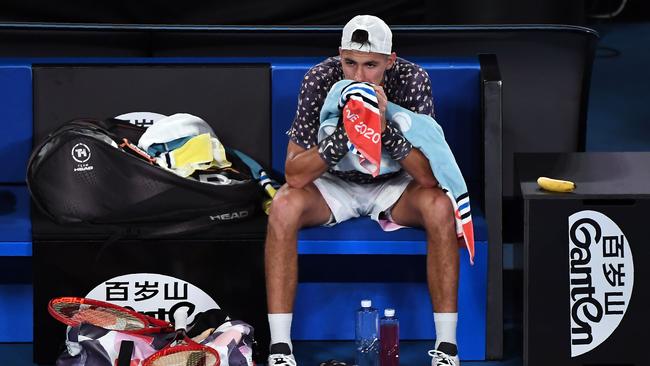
pixel 467 101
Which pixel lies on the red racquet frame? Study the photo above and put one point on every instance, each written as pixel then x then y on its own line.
pixel 150 324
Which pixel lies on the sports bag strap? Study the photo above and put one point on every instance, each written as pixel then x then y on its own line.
pixel 203 222
pixel 126 351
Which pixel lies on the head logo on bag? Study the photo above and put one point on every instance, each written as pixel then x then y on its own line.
pixel 235 215
pixel 80 153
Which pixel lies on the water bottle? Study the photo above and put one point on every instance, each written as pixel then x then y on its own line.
pixel 367 331
pixel 389 339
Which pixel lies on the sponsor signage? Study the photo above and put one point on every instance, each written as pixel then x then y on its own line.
pixel 601 279
pixel 154 294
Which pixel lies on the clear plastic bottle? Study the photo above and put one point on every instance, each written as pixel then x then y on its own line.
pixel 366 335
pixel 389 339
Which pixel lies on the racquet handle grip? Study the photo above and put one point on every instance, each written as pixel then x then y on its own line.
pixel 180 319
pixel 265 182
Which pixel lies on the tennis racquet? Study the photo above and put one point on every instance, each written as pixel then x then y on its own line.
pixel 183 351
pixel 263 179
pixel 76 310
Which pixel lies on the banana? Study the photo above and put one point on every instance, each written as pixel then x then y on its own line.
pixel 556 185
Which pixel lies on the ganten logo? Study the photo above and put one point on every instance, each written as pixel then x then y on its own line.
pixel 601 279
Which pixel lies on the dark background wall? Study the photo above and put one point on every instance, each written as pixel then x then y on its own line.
pixel 300 12
pixel 330 12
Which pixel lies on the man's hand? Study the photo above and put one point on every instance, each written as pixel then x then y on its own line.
pixel 383 102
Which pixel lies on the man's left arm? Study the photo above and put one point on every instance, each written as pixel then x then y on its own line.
pixel 418 167
pixel 411 159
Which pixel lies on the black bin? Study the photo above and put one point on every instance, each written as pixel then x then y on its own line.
pixel 585 281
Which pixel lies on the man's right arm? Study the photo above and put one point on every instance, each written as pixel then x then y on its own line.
pixel 308 158
pixel 302 166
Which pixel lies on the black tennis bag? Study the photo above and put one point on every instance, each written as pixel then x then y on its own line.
pixel 88 171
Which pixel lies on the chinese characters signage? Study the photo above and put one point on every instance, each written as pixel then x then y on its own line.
pixel 601 279
pixel 154 294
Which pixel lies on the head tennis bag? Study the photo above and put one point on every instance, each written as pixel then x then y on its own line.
pixel 87 172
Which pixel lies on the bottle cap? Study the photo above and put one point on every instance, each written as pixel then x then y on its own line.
pixel 389 312
pixel 366 303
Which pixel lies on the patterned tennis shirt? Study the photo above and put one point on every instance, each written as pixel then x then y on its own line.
pixel 405 84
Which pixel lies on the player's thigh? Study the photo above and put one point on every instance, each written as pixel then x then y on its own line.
pixel 416 202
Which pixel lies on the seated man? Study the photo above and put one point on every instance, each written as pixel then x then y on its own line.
pixel 316 194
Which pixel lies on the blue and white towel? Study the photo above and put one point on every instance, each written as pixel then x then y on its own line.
pixel 424 133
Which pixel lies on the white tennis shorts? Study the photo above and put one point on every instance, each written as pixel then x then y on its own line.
pixel 348 200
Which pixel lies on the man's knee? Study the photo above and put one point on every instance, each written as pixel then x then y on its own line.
pixel 435 207
pixel 287 208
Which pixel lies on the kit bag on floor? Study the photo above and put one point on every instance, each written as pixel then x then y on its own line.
pixel 89 345
pixel 90 171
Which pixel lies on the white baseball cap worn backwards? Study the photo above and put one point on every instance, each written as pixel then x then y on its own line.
pixel 380 37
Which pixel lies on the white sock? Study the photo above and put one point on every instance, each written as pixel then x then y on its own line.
pixel 445 327
pixel 280 325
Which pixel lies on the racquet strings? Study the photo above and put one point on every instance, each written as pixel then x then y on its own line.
pixel 184 357
pixel 107 318
pixel 183 351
